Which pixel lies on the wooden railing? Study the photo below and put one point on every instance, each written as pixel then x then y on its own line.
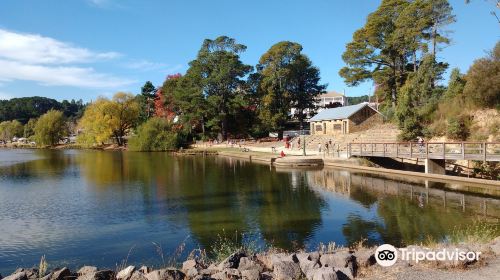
pixel 484 151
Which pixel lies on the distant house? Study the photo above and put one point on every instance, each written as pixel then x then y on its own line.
pixel 344 120
pixel 327 100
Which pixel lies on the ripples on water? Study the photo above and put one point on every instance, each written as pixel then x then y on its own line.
pixel 92 207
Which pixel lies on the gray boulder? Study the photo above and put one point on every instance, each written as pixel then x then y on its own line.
pixel 137 275
pixel 145 269
pixel 87 270
pixel 125 273
pixel 60 274
pixel 165 274
pixel 98 275
pixel 248 264
pixel 250 274
pixel 17 276
pixel 233 261
pixel 324 273
pixel 336 259
pixel 495 246
pixel 286 270
pixel 365 257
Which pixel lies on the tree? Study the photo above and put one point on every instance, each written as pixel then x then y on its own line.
pixel 164 100
pixel 219 71
pixel 483 80
pixel 146 101
pixel 29 128
pixel 456 84
pixel 392 36
pixel 156 135
pixel 287 80
pixel 109 118
pixel 10 129
pixel 50 128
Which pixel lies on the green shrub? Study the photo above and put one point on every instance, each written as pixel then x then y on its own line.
pixel 156 135
pixel 458 128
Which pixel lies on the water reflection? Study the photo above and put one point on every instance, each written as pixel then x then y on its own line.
pixel 91 207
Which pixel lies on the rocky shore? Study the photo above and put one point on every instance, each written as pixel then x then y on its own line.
pixel 339 263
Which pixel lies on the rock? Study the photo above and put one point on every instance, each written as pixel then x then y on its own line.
pixel 98 275
pixel 1 276
pixel 126 273
pixel 248 264
pixel 31 273
pixel 191 272
pixel 145 269
pixel 286 270
pixel 189 264
pixel 365 257
pixel 202 277
pixel 165 274
pixel 266 276
pixel 324 273
pixel 17 276
pixel 137 275
pixel 250 274
pixel 60 274
pixel 219 276
pixel 314 256
pixel 87 270
pixel 233 261
pixel 208 271
pixel 336 259
pixel 495 246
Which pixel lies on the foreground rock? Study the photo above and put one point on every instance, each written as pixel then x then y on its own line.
pixel 340 264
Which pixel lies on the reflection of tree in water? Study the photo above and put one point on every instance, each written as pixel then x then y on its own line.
pixel 289 214
pixel 403 222
pixel 50 164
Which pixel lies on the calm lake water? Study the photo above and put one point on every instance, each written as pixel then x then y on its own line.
pixel 95 207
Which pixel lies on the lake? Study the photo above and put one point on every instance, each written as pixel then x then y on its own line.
pixel 102 207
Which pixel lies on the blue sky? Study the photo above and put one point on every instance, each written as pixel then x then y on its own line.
pixel 72 49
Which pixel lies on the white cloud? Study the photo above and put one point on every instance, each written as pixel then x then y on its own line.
pixel 58 75
pixel 33 48
pixel 32 57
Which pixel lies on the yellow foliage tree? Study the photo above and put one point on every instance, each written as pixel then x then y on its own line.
pixel 104 119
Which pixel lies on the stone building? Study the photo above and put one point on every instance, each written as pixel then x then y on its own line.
pixel 344 120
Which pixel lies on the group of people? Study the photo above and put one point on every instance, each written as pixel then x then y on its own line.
pixel 326 147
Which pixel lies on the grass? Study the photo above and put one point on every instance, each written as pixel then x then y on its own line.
pixel 478 232
pixel 225 245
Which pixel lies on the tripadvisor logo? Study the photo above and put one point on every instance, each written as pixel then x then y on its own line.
pixel 387 255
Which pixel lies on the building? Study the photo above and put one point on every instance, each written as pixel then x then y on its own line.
pixel 331 99
pixel 344 120
pixel 327 100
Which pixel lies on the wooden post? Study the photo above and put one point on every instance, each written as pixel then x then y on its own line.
pixel 463 150
pixel 444 150
pixel 372 149
pixel 411 150
pixel 485 144
pixel 426 150
pixel 385 146
pixel 397 149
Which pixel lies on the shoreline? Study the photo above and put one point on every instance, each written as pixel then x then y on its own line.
pixel 328 262
pixel 270 158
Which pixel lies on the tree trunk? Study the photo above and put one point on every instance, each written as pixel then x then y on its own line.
pixel 280 134
pixel 414 61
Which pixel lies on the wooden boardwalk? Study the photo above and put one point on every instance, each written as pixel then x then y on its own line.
pixel 481 151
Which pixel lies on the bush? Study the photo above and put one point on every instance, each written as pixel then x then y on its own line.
pixel 458 128
pixel 156 135
pixel 10 129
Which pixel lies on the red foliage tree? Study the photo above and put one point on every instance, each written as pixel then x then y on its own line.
pixel 164 100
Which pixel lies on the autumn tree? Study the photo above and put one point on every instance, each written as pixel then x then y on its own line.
pixel 109 118
pixel 287 79
pixel 483 80
pixel 50 128
pixel 10 129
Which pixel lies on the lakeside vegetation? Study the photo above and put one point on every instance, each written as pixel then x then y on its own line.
pixel 220 97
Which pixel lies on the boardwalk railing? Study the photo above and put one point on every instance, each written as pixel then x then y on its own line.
pixel 483 151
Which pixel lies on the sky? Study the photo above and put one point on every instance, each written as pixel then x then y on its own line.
pixel 82 49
